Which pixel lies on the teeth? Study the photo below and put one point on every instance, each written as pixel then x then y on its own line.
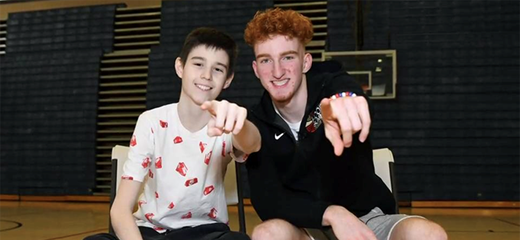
pixel 203 87
pixel 281 82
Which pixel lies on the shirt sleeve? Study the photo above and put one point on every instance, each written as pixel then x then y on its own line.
pixel 236 154
pixel 140 155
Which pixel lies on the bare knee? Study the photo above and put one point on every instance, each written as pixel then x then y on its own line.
pixel 418 228
pixel 276 229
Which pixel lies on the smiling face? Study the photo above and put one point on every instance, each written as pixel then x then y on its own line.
pixel 204 74
pixel 281 64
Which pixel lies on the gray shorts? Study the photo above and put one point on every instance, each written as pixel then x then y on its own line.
pixel 381 224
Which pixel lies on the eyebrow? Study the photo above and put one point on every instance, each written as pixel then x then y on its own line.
pixel 283 54
pixel 203 59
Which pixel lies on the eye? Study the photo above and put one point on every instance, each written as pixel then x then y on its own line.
pixel 264 60
pixel 197 64
pixel 219 69
pixel 289 57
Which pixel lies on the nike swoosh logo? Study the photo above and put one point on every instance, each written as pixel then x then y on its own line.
pixel 278 136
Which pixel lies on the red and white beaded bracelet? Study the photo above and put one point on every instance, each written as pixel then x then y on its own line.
pixel 343 94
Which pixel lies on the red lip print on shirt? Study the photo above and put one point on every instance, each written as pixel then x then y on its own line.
pixel 141 202
pixel 149 216
pixel 208 190
pixel 177 140
pixel 187 215
pixel 163 124
pixel 146 162
pixel 202 146
pixel 208 157
pixel 133 141
pixel 158 163
pixel 190 182
pixel 213 213
pixel 156 195
pixel 171 205
pixel 182 169
pixel 150 173
pixel 158 228
pixel 223 148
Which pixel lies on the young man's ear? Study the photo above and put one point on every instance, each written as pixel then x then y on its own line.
pixel 228 81
pixel 179 67
pixel 255 69
pixel 307 62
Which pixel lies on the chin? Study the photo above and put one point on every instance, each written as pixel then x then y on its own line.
pixel 281 98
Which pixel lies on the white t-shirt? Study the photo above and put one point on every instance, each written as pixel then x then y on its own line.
pixel 183 171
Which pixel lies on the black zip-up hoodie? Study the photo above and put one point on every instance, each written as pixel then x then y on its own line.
pixel 297 180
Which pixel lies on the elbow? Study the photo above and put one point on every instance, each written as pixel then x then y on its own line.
pixel 115 213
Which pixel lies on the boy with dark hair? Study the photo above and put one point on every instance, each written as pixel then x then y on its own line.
pixel 180 151
pixel 302 186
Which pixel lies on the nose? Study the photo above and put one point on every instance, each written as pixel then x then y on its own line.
pixel 278 70
pixel 206 74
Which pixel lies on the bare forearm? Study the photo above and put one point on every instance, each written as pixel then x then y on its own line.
pixel 121 212
pixel 124 225
pixel 248 139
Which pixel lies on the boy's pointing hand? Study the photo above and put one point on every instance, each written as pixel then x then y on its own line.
pixel 226 117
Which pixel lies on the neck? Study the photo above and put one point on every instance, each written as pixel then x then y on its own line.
pixel 294 108
pixel 192 117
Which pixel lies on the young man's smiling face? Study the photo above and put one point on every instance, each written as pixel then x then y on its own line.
pixel 204 73
pixel 280 65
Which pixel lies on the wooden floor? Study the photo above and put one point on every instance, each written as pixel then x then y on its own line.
pixel 71 221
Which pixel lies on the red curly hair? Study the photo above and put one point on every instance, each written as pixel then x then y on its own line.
pixel 278 22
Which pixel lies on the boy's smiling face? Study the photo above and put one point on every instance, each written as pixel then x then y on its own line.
pixel 204 74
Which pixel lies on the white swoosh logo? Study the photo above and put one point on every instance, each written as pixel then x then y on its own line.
pixel 278 136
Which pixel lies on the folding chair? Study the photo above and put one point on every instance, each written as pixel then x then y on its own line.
pixel 232 184
pixel 384 168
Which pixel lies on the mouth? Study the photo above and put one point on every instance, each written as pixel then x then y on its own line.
pixel 203 87
pixel 280 83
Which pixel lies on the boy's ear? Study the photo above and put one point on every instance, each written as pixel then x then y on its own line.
pixel 228 81
pixel 307 62
pixel 179 68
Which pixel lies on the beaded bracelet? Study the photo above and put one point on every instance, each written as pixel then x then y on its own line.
pixel 343 94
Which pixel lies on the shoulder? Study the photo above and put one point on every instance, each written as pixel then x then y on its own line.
pixel 159 112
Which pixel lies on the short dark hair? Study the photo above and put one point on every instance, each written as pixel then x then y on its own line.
pixel 212 38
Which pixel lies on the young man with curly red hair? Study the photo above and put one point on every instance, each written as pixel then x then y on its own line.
pixel 302 186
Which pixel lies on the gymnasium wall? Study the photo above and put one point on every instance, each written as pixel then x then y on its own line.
pixel 48 97
pixel 454 126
